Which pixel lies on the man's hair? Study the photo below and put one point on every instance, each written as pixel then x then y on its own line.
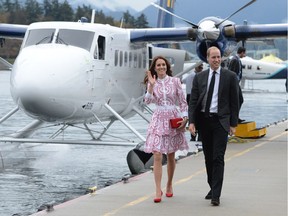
pixel 241 49
pixel 211 48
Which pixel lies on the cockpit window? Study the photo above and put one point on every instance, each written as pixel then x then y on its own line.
pixel 82 39
pixel 39 36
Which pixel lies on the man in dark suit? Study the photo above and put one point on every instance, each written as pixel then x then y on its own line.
pixel 235 65
pixel 213 108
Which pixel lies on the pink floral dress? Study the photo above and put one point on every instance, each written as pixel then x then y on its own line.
pixel 167 94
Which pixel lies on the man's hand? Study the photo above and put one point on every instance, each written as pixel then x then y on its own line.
pixel 232 131
pixel 192 129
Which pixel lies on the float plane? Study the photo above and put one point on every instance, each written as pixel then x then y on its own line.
pixel 80 73
pixel 257 69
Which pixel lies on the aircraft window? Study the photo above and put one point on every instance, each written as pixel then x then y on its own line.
pixel 116 57
pixel 130 59
pixel 144 61
pixel 101 47
pixel 249 67
pixel 135 60
pixel 139 60
pixel 121 58
pixel 37 36
pixel 125 58
pixel 82 39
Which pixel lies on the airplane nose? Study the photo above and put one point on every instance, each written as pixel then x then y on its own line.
pixel 45 109
pixel 43 77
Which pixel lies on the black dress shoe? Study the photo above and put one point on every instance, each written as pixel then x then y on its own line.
pixel 241 120
pixel 215 201
pixel 209 195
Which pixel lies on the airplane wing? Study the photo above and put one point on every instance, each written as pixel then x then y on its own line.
pixel 224 36
pixel 203 34
pixel 159 35
pixel 231 32
pixel 12 31
pixel 243 32
pixel 210 31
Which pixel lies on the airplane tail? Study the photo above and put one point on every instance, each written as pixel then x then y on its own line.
pixel 166 20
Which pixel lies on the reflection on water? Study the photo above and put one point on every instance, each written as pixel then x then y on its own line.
pixel 34 174
pixel 56 173
pixel 265 102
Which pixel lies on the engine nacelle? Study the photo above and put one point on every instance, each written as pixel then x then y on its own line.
pixel 211 33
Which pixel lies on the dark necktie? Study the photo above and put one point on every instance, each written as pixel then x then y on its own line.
pixel 209 95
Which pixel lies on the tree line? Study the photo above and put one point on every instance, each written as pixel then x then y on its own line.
pixel 14 12
pixel 52 10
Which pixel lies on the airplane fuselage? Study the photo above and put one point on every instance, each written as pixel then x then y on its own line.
pixel 67 71
pixel 257 69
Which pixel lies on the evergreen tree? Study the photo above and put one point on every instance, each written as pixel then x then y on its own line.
pixel 7 6
pixel 128 20
pixel 55 10
pixel 110 20
pixel 66 12
pixel 84 11
pixel 47 10
pixel 33 11
pixel 141 22
pixel 101 18
pixel 19 15
pixel 13 12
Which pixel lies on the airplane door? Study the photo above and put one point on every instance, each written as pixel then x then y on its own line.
pixel 100 64
pixel 174 56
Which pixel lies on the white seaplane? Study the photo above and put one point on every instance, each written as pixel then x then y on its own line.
pixel 69 73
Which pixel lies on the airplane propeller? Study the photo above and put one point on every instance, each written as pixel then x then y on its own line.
pixel 209 31
pixel 249 3
pixel 181 18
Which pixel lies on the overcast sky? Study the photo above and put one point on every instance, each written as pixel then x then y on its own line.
pixel 137 5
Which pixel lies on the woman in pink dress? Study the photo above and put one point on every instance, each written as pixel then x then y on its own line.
pixel 166 92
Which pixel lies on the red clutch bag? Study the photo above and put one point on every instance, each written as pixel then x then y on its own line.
pixel 174 122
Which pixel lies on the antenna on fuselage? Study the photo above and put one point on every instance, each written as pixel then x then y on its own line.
pixel 93 16
pixel 121 24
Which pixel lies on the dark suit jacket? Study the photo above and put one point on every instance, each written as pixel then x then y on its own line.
pixel 228 100
pixel 236 66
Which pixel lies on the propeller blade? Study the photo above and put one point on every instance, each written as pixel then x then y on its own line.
pixel 163 9
pixel 249 3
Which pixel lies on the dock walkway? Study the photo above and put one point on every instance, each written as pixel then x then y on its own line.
pixel 255 184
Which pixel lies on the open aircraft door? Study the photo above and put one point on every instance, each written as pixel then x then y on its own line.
pixel 100 64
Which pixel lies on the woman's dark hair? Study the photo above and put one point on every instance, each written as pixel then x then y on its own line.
pixel 152 68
